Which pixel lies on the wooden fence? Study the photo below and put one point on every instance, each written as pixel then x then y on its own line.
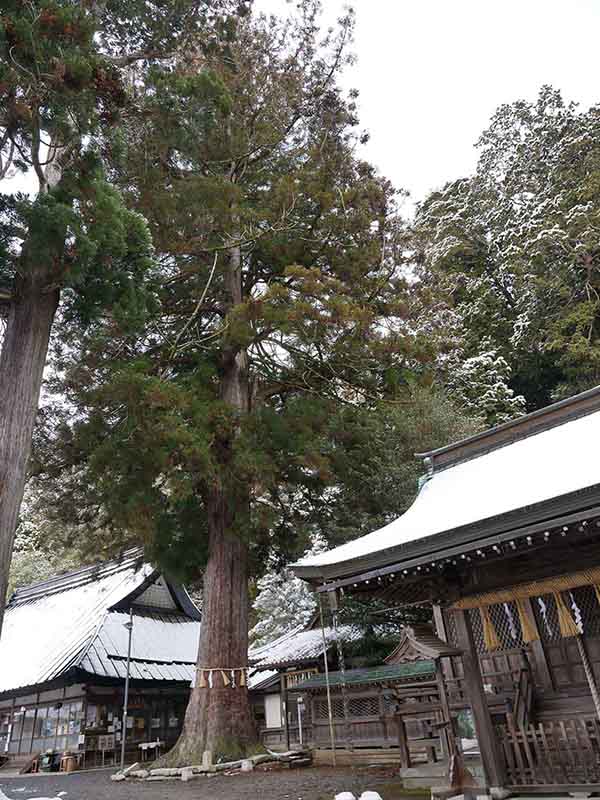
pixel 561 753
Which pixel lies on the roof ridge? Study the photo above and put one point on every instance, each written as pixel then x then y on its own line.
pixel 284 636
pixel 70 580
pixel 93 636
pixel 508 433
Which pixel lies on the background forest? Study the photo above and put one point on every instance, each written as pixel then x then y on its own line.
pixel 233 251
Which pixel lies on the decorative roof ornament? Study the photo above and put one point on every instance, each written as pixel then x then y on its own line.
pixel 419 643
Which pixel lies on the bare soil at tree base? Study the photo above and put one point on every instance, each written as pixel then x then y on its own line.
pixel 309 783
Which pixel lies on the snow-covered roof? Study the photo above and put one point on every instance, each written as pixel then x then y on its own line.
pixel 299 645
pixel 262 679
pixel 164 647
pixel 537 467
pixel 73 621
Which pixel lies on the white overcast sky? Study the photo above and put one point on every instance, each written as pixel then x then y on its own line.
pixel 431 73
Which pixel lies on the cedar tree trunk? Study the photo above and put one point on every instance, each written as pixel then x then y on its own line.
pixel 22 363
pixel 218 718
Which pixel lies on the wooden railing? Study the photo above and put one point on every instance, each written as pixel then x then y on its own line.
pixel 277 737
pixel 552 753
pixel 523 699
pixel 379 731
pixel 507 683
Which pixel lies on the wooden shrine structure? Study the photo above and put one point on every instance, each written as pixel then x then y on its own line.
pixel 503 541
pixel 396 705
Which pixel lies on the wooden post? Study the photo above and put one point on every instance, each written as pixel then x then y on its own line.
pixel 403 743
pixel 326 666
pixel 342 669
pixel 486 736
pixel 538 653
pixel 441 630
pixel 382 716
pixel 589 674
pixel 446 732
pixel 284 707
pixel 440 623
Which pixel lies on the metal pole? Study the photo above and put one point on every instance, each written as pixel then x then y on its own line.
pixel 284 703
pixel 129 626
pixel 342 664
pixel 300 707
pixel 329 708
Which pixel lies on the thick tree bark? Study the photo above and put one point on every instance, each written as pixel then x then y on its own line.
pixel 22 363
pixel 218 718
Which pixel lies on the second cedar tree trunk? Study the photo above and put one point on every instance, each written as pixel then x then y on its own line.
pixel 22 363
pixel 33 305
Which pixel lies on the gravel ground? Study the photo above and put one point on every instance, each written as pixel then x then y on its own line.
pixel 312 783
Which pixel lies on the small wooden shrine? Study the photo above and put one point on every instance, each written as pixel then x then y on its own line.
pixel 365 698
pixel 503 540
pixel 420 645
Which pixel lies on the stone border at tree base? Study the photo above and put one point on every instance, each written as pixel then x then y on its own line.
pixel 293 758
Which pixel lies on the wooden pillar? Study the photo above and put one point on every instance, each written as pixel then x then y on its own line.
pixel 403 743
pixel 441 630
pixel 284 708
pixel 382 716
pixel 440 623
pixel 538 653
pixel 446 732
pixel 589 674
pixel 473 683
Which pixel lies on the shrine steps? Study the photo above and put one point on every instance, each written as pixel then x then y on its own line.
pixel 550 708
pixel 424 776
pixel 363 757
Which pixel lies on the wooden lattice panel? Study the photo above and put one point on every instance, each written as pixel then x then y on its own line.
pixel 552 753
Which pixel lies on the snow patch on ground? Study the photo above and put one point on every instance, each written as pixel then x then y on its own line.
pixel 59 796
pixel 350 796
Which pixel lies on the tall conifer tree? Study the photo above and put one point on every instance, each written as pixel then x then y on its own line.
pixel 66 78
pixel 218 433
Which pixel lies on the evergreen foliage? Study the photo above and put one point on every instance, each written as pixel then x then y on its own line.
pixel 320 317
pixel 252 343
pixel 282 604
pixel 58 93
pixel 516 247
pixel 68 72
pixel 480 385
